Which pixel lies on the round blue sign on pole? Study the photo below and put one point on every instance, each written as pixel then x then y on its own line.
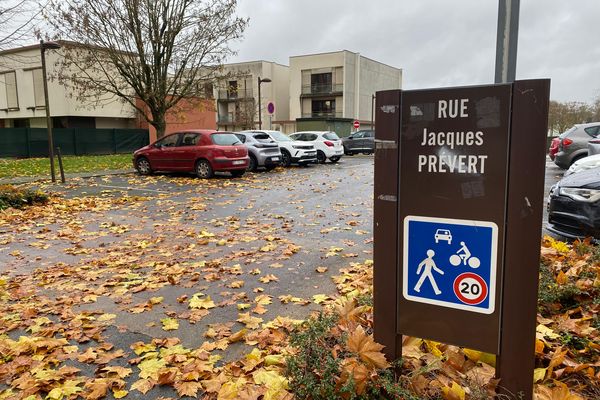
pixel 271 107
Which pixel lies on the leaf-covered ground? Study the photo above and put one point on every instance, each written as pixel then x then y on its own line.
pixel 175 286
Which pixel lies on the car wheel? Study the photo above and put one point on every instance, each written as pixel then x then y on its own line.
pixel 286 158
pixel 203 169
pixel 321 158
pixel 348 152
pixel 237 173
pixel 142 165
pixel 334 159
pixel 251 163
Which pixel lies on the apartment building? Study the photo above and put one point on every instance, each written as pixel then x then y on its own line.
pixel 237 96
pixel 22 102
pixel 328 91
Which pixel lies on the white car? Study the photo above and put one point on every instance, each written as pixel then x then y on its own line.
pixel 583 164
pixel 292 151
pixel 328 144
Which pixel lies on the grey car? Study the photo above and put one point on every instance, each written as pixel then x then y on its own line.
pixel 594 146
pixel 263 151
pixel 573 144
pixel 359 142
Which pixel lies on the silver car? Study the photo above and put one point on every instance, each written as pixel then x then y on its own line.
pixel 263 151
pixel 573 144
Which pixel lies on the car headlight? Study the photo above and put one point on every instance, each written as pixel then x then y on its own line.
pixel 580 194
pixel 298 147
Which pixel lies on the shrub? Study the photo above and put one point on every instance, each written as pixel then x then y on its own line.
pixel 19 198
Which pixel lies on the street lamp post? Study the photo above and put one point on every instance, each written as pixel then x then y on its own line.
pixel 43 47
pixel 266 80
pixel 373 111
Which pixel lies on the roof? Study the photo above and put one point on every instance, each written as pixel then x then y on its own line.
pixel 348 51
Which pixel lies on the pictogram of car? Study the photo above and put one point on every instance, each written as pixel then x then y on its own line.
pixel 443 234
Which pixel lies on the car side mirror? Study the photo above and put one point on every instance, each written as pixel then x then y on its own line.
pixel 351 137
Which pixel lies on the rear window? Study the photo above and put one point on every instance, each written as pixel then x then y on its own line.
pixel 565 133
pixel 331 136
pixel 225 139
pixel 263 137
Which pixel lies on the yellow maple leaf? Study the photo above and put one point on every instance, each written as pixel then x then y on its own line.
pixel 320 298
pixel 276 384
pixel 229 390
pixel 169 324
pixel 367 349
pixel 149 368
pixel 455 392
pixel 120 393
pixel 199 301
pixel 249 321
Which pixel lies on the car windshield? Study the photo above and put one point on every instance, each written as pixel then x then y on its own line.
pixel 331 136
pixel 225 139
pixel 280 137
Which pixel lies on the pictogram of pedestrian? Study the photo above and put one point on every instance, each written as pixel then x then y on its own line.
pixel 428 266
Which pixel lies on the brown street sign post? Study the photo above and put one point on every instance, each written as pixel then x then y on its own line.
pixel 459 176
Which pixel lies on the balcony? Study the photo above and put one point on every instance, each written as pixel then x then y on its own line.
pixel 322 89
pixel 320 114
pixel 232 95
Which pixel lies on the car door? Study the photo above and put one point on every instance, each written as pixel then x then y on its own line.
pixel 161 158
pixel 356 143
pixel 185 151
pixel 369 140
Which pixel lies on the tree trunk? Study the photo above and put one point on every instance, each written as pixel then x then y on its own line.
pixel 159 123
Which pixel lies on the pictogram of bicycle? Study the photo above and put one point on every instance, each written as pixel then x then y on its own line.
pixel 463 255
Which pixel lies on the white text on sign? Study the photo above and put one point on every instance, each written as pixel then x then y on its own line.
pixel 446 161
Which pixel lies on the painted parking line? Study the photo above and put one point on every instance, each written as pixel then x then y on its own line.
pixel 133 188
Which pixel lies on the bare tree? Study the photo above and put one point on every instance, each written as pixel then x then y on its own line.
pixel 157 51
pixel 562 116
pixel 17 21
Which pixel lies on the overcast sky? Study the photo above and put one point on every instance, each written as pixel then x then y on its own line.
pixel 435 42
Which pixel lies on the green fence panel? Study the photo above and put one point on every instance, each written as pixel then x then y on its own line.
pixel 33 142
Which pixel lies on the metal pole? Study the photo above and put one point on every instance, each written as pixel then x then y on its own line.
pixel 60 165
pixel 48 119
pixel 372 112
pixel 506 40
pixel 259 113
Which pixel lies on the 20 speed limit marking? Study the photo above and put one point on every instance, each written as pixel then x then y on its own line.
pixel 470 288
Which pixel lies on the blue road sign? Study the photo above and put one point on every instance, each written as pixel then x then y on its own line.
pixel 450 263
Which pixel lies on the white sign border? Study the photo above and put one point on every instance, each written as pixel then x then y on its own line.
pixel 494 256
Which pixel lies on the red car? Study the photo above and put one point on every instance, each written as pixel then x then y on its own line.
pixel 199 150
pixel 553 148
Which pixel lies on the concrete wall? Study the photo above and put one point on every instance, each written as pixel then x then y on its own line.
pixel 374 76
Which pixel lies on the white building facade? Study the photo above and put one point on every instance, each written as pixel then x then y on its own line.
pixel 22 103
pixel 328 91
pixel 237 96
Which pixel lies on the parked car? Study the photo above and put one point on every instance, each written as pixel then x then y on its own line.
pixel 553 148
pixel 583 164
pixel 594 146
pixel 263 151
pixel 328 144
pixel 574 205
pixel 201 151
pixel 359 142
pixel 573 143
pixel 292 151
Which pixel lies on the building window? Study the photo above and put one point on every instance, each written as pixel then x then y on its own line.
pixel 12 99
pixel 38 88
pixel 232 89
pixel 321 83
pixel 323 108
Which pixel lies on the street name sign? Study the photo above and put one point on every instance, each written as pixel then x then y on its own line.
pixel 459 176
